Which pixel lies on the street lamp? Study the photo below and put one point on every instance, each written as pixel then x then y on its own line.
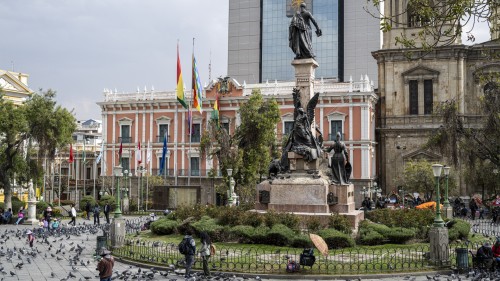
pixel 446 203
pixel 403 197
pixel 436 169
pixel 376 189
pixel 126 175
pixel 231 187
pixel 142 171
pixel 118 174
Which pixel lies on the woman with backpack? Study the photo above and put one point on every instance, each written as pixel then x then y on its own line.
pixel 205 252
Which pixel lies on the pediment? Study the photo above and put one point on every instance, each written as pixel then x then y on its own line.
pixel 225 118
pixel 422 155
pixel 336 114
pixel 420 72
pixel 287 117
pixel 163 120
pixel 486 70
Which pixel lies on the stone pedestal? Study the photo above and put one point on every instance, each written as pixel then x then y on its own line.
pixel 117 232
pixel 304 78
pixel 447 212
pixel 439 246
pixel 125 205
pixel 31 213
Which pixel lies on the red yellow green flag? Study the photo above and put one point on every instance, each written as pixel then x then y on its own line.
pixel 180 83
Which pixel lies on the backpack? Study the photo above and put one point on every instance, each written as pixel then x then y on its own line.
pixel 184 246
pixel 292 267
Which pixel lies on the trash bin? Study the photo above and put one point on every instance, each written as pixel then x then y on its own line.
pixel 462 259
pixel 102 241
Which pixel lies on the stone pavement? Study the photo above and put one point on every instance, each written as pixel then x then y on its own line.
pixel 52 261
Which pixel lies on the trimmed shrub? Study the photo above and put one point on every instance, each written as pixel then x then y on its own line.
pixel 336 239
pixel 301 241
pixel 399 235
pixel 340 223
pixel 271 218
pixel 107 199
pixel 17 204
pixel 407 218
pixel 41 206
pixel 384 230
pixel 252 219
pixel 279 235
pixel 371 237
pixel 243 233
pixel 84 200
pixel 259 234
pixel 164 227
pixel 210 226
pixel 459 230
pixel 230 216
pixel 289 220
pixel 313 224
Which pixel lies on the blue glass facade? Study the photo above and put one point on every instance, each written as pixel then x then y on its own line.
pixel 276 55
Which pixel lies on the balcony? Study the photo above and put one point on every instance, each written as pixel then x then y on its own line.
pixel 125 139
pixel 332 137
pixel 160 139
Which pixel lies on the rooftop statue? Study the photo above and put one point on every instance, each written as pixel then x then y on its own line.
pixel 300 33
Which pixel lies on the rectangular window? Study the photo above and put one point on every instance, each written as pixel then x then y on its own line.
pixel 162 131
pixel 413 97
pixel 195 166
pixel 428 96
pixel 335 126
pixel 125 134
pixel 225 126
pixel 88 173
pixel 288 127
pixel 125 164
pixel 165 170
pixel 196 135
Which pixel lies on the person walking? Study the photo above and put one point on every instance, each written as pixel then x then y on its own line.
pixel 189 250
pixel 473 208
pixel 87 209
pixel 73 215
pixel 47 214
pixel 205 252
pixel 97 212
pixel 105 265
pixel 107 209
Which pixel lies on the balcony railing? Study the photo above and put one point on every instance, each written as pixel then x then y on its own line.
pixel 423 121
pixel 161 138
pixel 125 139
pixel 332 137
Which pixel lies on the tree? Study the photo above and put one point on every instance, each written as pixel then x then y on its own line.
pixel 39 121
pixel 439 22
pixel 249 150
pixel 418 176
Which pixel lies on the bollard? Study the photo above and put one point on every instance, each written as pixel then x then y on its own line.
pixel 462 259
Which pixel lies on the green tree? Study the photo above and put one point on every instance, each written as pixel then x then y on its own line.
pixel 418 176
pixel 39 122
pixel 439 22
pixel 250 149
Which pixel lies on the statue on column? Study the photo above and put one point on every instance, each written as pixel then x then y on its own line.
pixel 301 139
pixel 341 168
pixel 31 192
pixel 300 33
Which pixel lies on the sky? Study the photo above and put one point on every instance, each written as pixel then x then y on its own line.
pixel 80 47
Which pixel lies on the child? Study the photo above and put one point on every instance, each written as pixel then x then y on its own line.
pixel 31 237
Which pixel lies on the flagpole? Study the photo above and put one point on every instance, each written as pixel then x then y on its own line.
pixel 60 164
pixel 76 180
pixel 69 174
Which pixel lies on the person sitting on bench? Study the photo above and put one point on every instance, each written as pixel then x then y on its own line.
pixel 485 255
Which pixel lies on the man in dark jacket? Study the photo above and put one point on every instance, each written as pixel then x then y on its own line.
pixel 190 253
pixel 87 209
pixel 105 265
pixel 485 255
pixel 107 209
pixel 97 212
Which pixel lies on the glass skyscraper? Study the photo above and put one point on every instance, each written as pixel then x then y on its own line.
pixel 277 55
pixel 258 48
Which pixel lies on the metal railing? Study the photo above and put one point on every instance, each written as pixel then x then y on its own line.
pixel 161 138
pixel 125 140
pixel 266 260
pixel 485 227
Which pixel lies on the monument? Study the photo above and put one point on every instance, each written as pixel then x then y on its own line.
pixel 31 205
pixel 298 182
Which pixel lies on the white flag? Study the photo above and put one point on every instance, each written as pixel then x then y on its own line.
pixel 138 154
pixel 100 154
pixel 148 154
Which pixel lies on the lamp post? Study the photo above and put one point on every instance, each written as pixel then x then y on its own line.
pixel 142 171
pixel 376 190
pixel 403 197
pixel 126 203
pixel 231 187
pixel 446 203
pixel 436 169
pixel 118 174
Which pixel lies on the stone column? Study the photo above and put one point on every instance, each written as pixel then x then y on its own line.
pixel 117 232
pixel 31 205
pixel 304 80
pixel 439 246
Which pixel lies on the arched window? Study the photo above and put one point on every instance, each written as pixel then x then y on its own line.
pixel 416 11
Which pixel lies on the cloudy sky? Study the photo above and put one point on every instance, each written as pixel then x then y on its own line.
pixel 80 47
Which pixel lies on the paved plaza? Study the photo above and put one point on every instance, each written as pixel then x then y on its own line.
pixel 71 257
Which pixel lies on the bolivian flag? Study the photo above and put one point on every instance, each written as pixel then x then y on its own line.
pixel 180 83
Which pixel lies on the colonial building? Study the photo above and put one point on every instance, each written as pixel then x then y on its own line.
pixel 146 117
pixel 14 86
pixel 410 89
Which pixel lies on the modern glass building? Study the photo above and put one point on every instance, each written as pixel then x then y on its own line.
pixel 258 48
pixel 276 54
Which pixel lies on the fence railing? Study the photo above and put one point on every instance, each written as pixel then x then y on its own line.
pixel 485 227
pixel 266 260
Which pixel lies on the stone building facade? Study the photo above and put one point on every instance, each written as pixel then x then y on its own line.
pixel 409 89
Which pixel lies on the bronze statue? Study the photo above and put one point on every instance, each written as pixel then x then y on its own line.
pixel 301 139
pixel 341 168
pixel 300 33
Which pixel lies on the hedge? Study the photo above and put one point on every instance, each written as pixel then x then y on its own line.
pixel 210 226
pixel 244 233
pixel 279 235
pixel 259 234
pixel 399 235
pixel 371 237
pixel 459 230
pixel 164 227
pixel 301 241
pixel 336 239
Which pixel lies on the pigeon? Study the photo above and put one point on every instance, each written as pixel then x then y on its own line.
pixel 12 273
